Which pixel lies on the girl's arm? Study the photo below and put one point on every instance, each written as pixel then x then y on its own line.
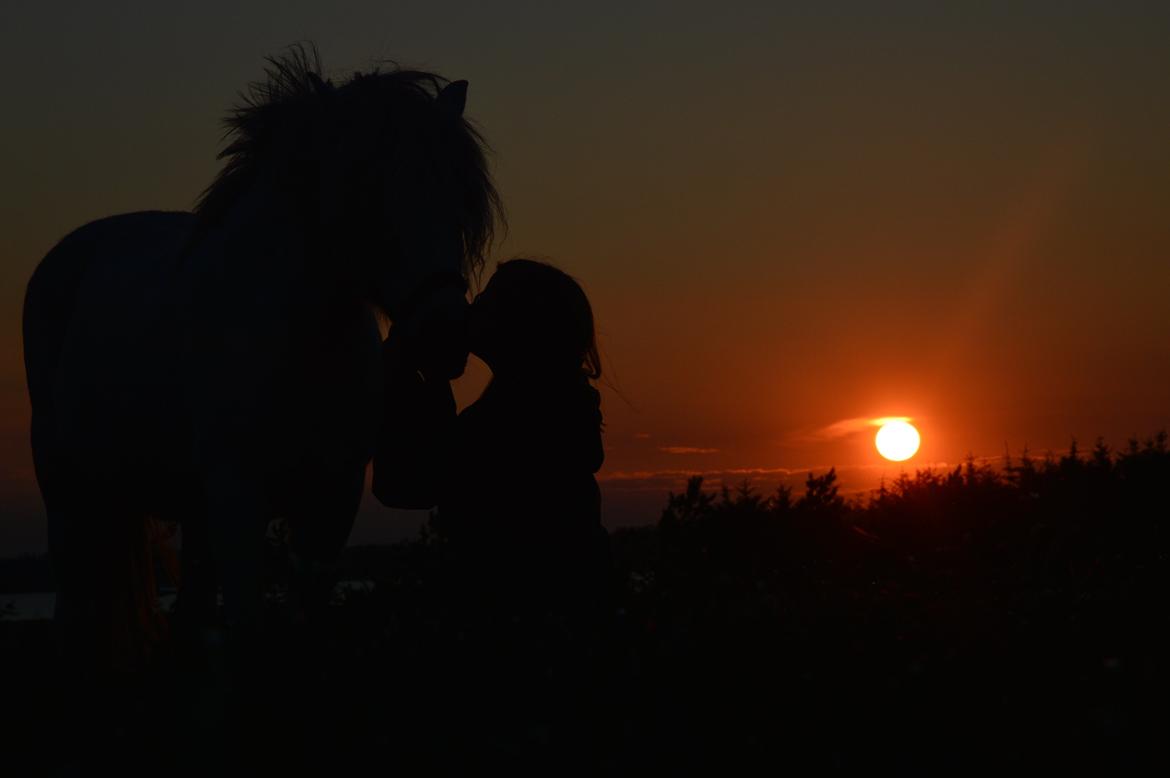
pixel 415 439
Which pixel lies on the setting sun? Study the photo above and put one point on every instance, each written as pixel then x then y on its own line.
pixel 897 440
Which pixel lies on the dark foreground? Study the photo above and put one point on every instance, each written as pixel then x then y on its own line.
pixel 959 620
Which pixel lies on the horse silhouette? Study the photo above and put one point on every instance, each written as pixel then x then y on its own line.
pixel 220 368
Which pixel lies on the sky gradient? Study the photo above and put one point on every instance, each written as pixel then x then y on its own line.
pixel 787 219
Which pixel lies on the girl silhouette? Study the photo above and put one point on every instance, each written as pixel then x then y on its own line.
pixel 513 474
pixel 528 561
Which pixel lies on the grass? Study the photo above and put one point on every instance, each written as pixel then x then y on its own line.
pixel 959 619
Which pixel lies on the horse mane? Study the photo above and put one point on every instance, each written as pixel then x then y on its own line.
pixel 295 97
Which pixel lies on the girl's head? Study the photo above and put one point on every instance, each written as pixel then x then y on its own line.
pixel 532 318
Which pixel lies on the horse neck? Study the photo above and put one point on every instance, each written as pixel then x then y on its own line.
pixel 276 253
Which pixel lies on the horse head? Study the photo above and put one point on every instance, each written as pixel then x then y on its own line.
pixel 424 167
pixel 391 183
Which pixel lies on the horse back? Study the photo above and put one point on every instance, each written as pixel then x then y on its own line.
pixel 92 305
pixel 52 293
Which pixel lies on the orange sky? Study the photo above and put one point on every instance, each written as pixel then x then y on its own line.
pixel 785 219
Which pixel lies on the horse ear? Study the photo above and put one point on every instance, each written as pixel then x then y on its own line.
pixel 453 98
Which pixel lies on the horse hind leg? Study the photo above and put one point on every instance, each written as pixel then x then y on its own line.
pixel 73 618
pixel 107 613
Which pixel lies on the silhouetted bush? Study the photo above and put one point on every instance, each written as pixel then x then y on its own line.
pixel 973 616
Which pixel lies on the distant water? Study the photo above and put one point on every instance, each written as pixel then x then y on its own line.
pixel 34 606
pixel 27 607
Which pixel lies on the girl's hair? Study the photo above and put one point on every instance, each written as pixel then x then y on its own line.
pixel 544 307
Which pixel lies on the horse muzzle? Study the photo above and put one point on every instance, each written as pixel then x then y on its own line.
pixel 436 331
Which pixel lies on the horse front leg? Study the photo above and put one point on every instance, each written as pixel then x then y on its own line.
pixel 319 528
pixel 197 609
pixel 237 518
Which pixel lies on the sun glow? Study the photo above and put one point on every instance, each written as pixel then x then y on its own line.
pixel 897 440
